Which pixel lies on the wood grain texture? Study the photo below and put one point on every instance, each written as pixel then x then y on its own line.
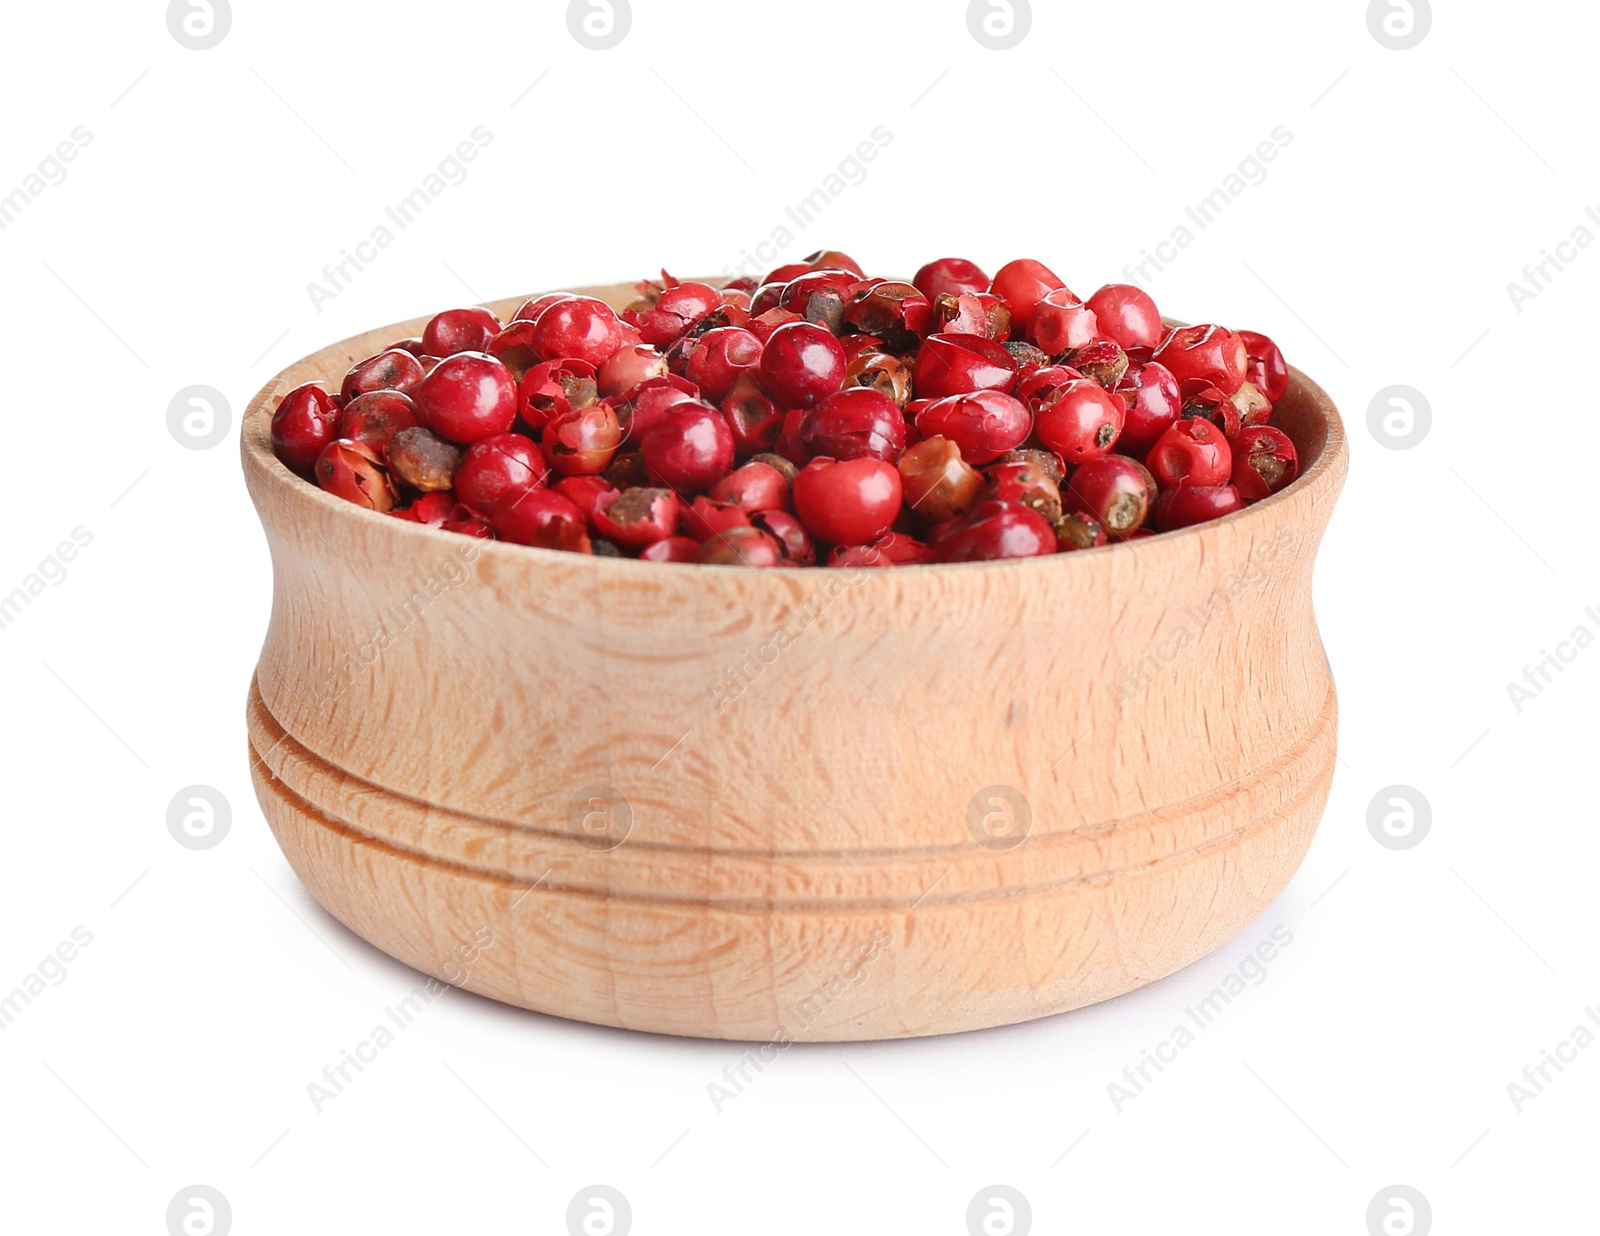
pixel 437 724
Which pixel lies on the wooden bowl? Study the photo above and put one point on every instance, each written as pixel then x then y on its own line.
pixel 808 804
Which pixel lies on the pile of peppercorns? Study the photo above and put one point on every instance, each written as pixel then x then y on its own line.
pixel 815 416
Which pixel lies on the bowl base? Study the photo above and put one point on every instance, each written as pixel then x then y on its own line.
pixel 519 916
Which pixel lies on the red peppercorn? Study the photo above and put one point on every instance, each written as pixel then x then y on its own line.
pixel 1252 405
pixel 996 530
pixel 375 418
pixel 392 370
pixel 1153 401
pixel 1266 366
pixel 1022 284
pixel 587 493
pixel 1115 490
pixel 1047 462
pixel 720 358
pixel 306 421
pixel 460 330
pixel 1264 460
pixel 642 407
pixel 705 517
pixel 440 510
pixel 833 259
pixel 689 449
pixel 675 311
pixel 767 295
pixel 1209 403
pixel 801 364
pixel 847 502
pixel 748 547
pixel 431 509
pixel 673 549
pixel 1027 356
pixel 498 469
pixel 789 533
pixel 1080 421
pixel 421 459
pixel 1061 322
pixel 579 328
pixel 582 442
pixel 1079 531
pixel 531 308
pixel 854 423
pixel 1128 315
pixel 468 397
pixel 819 296
pixel 1212 354
pixel 1186 505
pixel 888 375
pixel 553 389
pixel 1193 452
pixel 950 277
pixel 351 470
pixel 892 549
pixel 789 445
pixel 958 364
pixel 972 313
pixel 1039 386
pixel 1026 485
pixel 936 482
pixel 544 519
pixel 753 487
pixel 754 417
pixel 890 309
pixel 763 326
pixel 630 365
pixel 983 424
pixel 1101 359
pixel 513 348
pixel 637 518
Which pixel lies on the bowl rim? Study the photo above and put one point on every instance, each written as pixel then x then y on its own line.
pixel 257 456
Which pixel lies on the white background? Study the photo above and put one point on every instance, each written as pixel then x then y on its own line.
pixel 1377 251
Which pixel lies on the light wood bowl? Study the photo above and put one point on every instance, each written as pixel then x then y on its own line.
pixel 437 724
